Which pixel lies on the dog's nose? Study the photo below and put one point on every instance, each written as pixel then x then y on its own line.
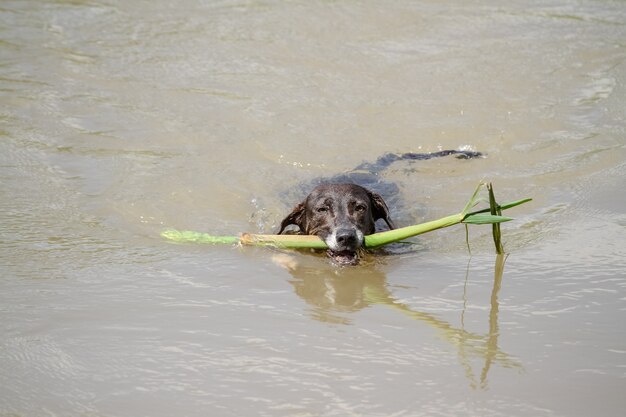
pixel 346 238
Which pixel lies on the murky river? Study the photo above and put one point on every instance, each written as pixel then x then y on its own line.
pixel 121 119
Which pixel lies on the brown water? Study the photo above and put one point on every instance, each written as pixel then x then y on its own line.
pixel 120 119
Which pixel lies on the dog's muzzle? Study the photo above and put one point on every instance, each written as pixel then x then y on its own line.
pixel 344 244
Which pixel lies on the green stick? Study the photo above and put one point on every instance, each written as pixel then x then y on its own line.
pixel 187 236
pixel 371 241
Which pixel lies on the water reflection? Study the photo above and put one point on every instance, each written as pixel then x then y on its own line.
pixel 333 292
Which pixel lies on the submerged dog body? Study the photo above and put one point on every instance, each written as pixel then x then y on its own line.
pixel 342 213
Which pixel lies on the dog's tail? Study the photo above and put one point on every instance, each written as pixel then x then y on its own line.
pixel 389 158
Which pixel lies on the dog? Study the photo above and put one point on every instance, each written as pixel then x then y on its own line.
pixel 342 211
pixel 341 214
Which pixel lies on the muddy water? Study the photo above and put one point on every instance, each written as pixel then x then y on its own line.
pixel 121 119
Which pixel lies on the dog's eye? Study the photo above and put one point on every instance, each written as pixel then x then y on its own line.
pixel 322 209
pixel 360 208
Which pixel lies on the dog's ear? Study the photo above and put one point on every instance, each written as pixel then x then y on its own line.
pixel 295 217
pixel 380 209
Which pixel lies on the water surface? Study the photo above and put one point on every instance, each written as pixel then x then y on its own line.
pixel 121 119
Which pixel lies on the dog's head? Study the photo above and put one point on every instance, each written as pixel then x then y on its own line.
pixel 340 214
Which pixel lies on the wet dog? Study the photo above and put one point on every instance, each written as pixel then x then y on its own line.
pixel 341 214
pixel 342 211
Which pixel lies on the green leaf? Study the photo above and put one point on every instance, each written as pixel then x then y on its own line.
pixel 473 200
pixel 514 203
pixel 485 219
pixel 495 209
pixel 504 206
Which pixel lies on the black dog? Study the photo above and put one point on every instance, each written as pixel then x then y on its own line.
pixel 342 212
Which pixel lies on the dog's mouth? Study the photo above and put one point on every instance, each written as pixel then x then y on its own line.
pixel 344 257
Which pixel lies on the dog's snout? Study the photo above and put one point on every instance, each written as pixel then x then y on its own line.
pixel 347 238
